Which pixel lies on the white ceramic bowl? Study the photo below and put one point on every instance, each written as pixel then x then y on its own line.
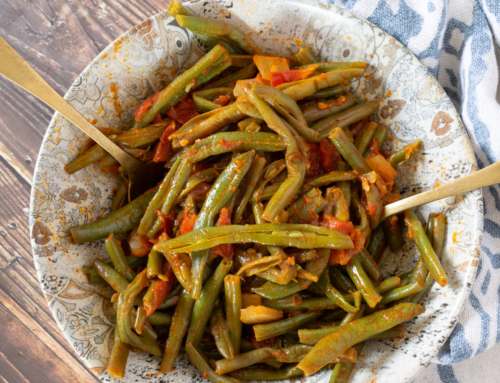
pixel 412 105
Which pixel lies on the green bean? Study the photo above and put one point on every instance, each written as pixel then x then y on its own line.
pixel 270 330
pixel 313 336
pixel 263 374
pixel 94 154
pixel 204 305
pixel 116 280
pixel 402 292
pixel 377 243
pixel 388 284
pixel 393 235
pixel 222 117
pixel 220 194
pixel 333 294
pixel 314 113
pixel 169 302
pixel 425 248
pixel 155 264
pixel 286 303
pixel 306 56
pixel 206 175
pixel 179 328
pixel 287 354
pixel 219 29
pixel 91 276
pixel 344 186
pixel 342 371
pixel 397 332
pixel 135 138
pixel 370 266
pixel 349 151
pixel 170 95
pixel 247 187
pixel 203 105
pixel 438 233
pixel 274 291
pixel 119 356
pixel 120 221
pixel 295 165
pixel 288 108
pixel 181 265
pixel 364 137
pixel 404 153
pixel 328 66
pixel 176 8
pixel 309 86
pixel 343 119
pixel 334 344
pixel 362 281
pixel 245 123
pixel 233 299
pixel 125 307
pixel 307 207
pixel 332 315
pixel 244 73
pixel 340 280
pixel 220 332
pixel 199 360
pixel 304 256
pixel 214 92
pixel 120 196
pixel 334 91
pixel 315 304
pixel 140 320
pixel 337 204
pixel 358 207
pixel 117 256
pixel 380 136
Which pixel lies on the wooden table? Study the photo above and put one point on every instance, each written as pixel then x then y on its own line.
pixel 58 38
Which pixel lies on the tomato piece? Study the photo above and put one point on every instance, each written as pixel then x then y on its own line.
pixel 163 150
pixel 187 222
pixel 342 257
pixel 183 111
pixel 374 147
pixel 157 119
pixel 355 127
pixel 222 100
pixel 278 78
pixel 226 250
pixel 113 169
pixel 261 79
pixel 330 222
pixel 266 65
pixel 314 159
pixel 168 223
pixel 199 193
pixel 329 154
pixel 144 106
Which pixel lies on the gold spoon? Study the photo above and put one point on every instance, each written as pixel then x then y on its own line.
pixel 141 176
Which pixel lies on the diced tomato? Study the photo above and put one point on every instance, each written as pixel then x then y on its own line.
pixel 278 78
pixel 222 100
pixel 329 154
pixel 163 150
pixel 330 222
pixel 314 160
pixel 168 223
pixel 374 147
pixel 187 222
pixel 372 209
pixel 266 65
pixel 342 257
pixel 157 118
pixel 161 288
pixel 113 169
pixel 199 193
pixel 144 106
pixel 183 111
pixel 355 127
pixel 394 227
pixel 261 80
pixel 226 251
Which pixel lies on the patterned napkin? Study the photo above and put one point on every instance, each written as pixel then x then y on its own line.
pixel 459 41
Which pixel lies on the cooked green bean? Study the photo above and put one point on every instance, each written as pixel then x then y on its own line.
pixel 270 330
pixel 362 281
pixel 314 112
pixel 393 234
pixel 220 30
pixel 340 280
pixel 247 187
pixel 328 66
pixel 365 136
pixel 199 360
pixel 120 221
pixel 287 303
pixel 203 105
pixel 388 284
pixel 306 56
pixel 377 243
pixel 94 154
pixel 266 374
pixel 404 153
pixel 417 233
pixel 244 73
pixel 333 294
pixel 233 299
pixel 402 292
pixel 334 91
pixel 335 343
pixel 155 264
pixel 370 266
pixel 241 60
pixel 204 305
pixel 307 207
pixel 120 196
pixel 116 280
pixel 117 256
pixel 181 265
pixel 220 332
pixel 342 371
pixel 380 136
pixel 118 358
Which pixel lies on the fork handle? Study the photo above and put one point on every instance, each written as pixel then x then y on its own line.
pixel 17 70
pixel 490 175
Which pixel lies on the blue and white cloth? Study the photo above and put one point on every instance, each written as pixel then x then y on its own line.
pixel 459 41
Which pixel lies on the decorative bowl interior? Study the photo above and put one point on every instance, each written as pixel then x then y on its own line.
pixel 412 105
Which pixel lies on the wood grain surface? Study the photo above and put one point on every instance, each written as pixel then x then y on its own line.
pixel 58 39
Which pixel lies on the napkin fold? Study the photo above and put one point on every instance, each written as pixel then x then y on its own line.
pixel 459 42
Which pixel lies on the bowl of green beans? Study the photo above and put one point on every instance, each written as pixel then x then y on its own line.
pixel 284 128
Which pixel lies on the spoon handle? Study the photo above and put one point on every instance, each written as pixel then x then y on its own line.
pixel 490 175
pixel 17 70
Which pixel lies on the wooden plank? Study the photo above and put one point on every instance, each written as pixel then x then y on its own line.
pixel 9 373
pixel 31 350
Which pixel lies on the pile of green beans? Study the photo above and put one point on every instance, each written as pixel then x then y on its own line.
pixel 248 217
